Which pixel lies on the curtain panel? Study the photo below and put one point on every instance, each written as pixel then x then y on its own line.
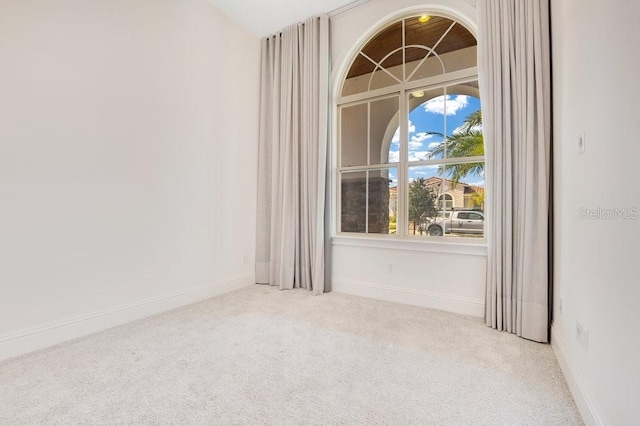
pixel 292 156
pixel 514 73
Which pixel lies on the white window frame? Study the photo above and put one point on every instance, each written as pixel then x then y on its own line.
pixel 463 245
pixel 402 90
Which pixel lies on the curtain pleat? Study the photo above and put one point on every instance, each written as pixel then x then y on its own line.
pixel 514 73
pixel 292 157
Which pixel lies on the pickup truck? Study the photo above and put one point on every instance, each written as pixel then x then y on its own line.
pixel 458 222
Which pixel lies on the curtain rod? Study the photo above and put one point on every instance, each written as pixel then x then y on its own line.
pixel 330 14
pixel 346 7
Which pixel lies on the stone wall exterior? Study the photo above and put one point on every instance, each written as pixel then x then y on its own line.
pixel 354 205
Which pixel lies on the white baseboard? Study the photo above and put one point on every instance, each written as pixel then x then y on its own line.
pixel 40 337
pixel 590 414
pixel 444 302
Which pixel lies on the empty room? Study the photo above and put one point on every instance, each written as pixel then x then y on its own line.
pixel 390 212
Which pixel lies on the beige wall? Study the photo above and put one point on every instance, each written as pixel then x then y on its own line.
pixel 127 157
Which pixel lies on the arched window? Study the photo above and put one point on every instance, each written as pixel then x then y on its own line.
pixel 445 202
pixel 410 136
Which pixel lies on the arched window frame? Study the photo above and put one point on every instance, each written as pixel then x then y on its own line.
pixel 402 89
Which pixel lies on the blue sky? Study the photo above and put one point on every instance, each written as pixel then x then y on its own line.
pixel 430 117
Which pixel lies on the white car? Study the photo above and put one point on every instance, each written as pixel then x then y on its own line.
pixel 458 222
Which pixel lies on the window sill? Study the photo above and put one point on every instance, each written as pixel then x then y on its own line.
pixel 465 246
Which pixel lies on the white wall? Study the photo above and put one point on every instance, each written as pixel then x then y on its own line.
pixel 415 274
pixel 597 279
pixel 127 162
pixel 438 276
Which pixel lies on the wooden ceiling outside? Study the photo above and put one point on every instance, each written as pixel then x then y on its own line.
pixel 416 33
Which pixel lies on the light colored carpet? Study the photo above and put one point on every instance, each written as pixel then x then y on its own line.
pixel 263 356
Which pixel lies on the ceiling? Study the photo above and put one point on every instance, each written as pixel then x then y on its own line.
pixel 264 17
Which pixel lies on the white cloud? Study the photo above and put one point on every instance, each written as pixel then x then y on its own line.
pixel 419 155
pixel 453 104
pixel 417 140
pixel 394 156
pixel 419 137
pixel 396 136
pixel 433 145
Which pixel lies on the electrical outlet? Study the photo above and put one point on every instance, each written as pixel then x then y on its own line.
pixel 389 267
pixel 245 259
pixel 582 336
pixel 560 306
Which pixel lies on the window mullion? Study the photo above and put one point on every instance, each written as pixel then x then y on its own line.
pixel 404 52
pixel 403 171
pixel 366 210
pixel 448 161
pixel 446 138
pixel 453 77
pixel 366 186
pixel 368 133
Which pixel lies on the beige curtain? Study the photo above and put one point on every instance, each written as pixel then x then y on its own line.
pixel 514 71
pixel 292 156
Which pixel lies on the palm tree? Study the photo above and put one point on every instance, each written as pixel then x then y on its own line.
pixel 466 142
pixel 473 121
